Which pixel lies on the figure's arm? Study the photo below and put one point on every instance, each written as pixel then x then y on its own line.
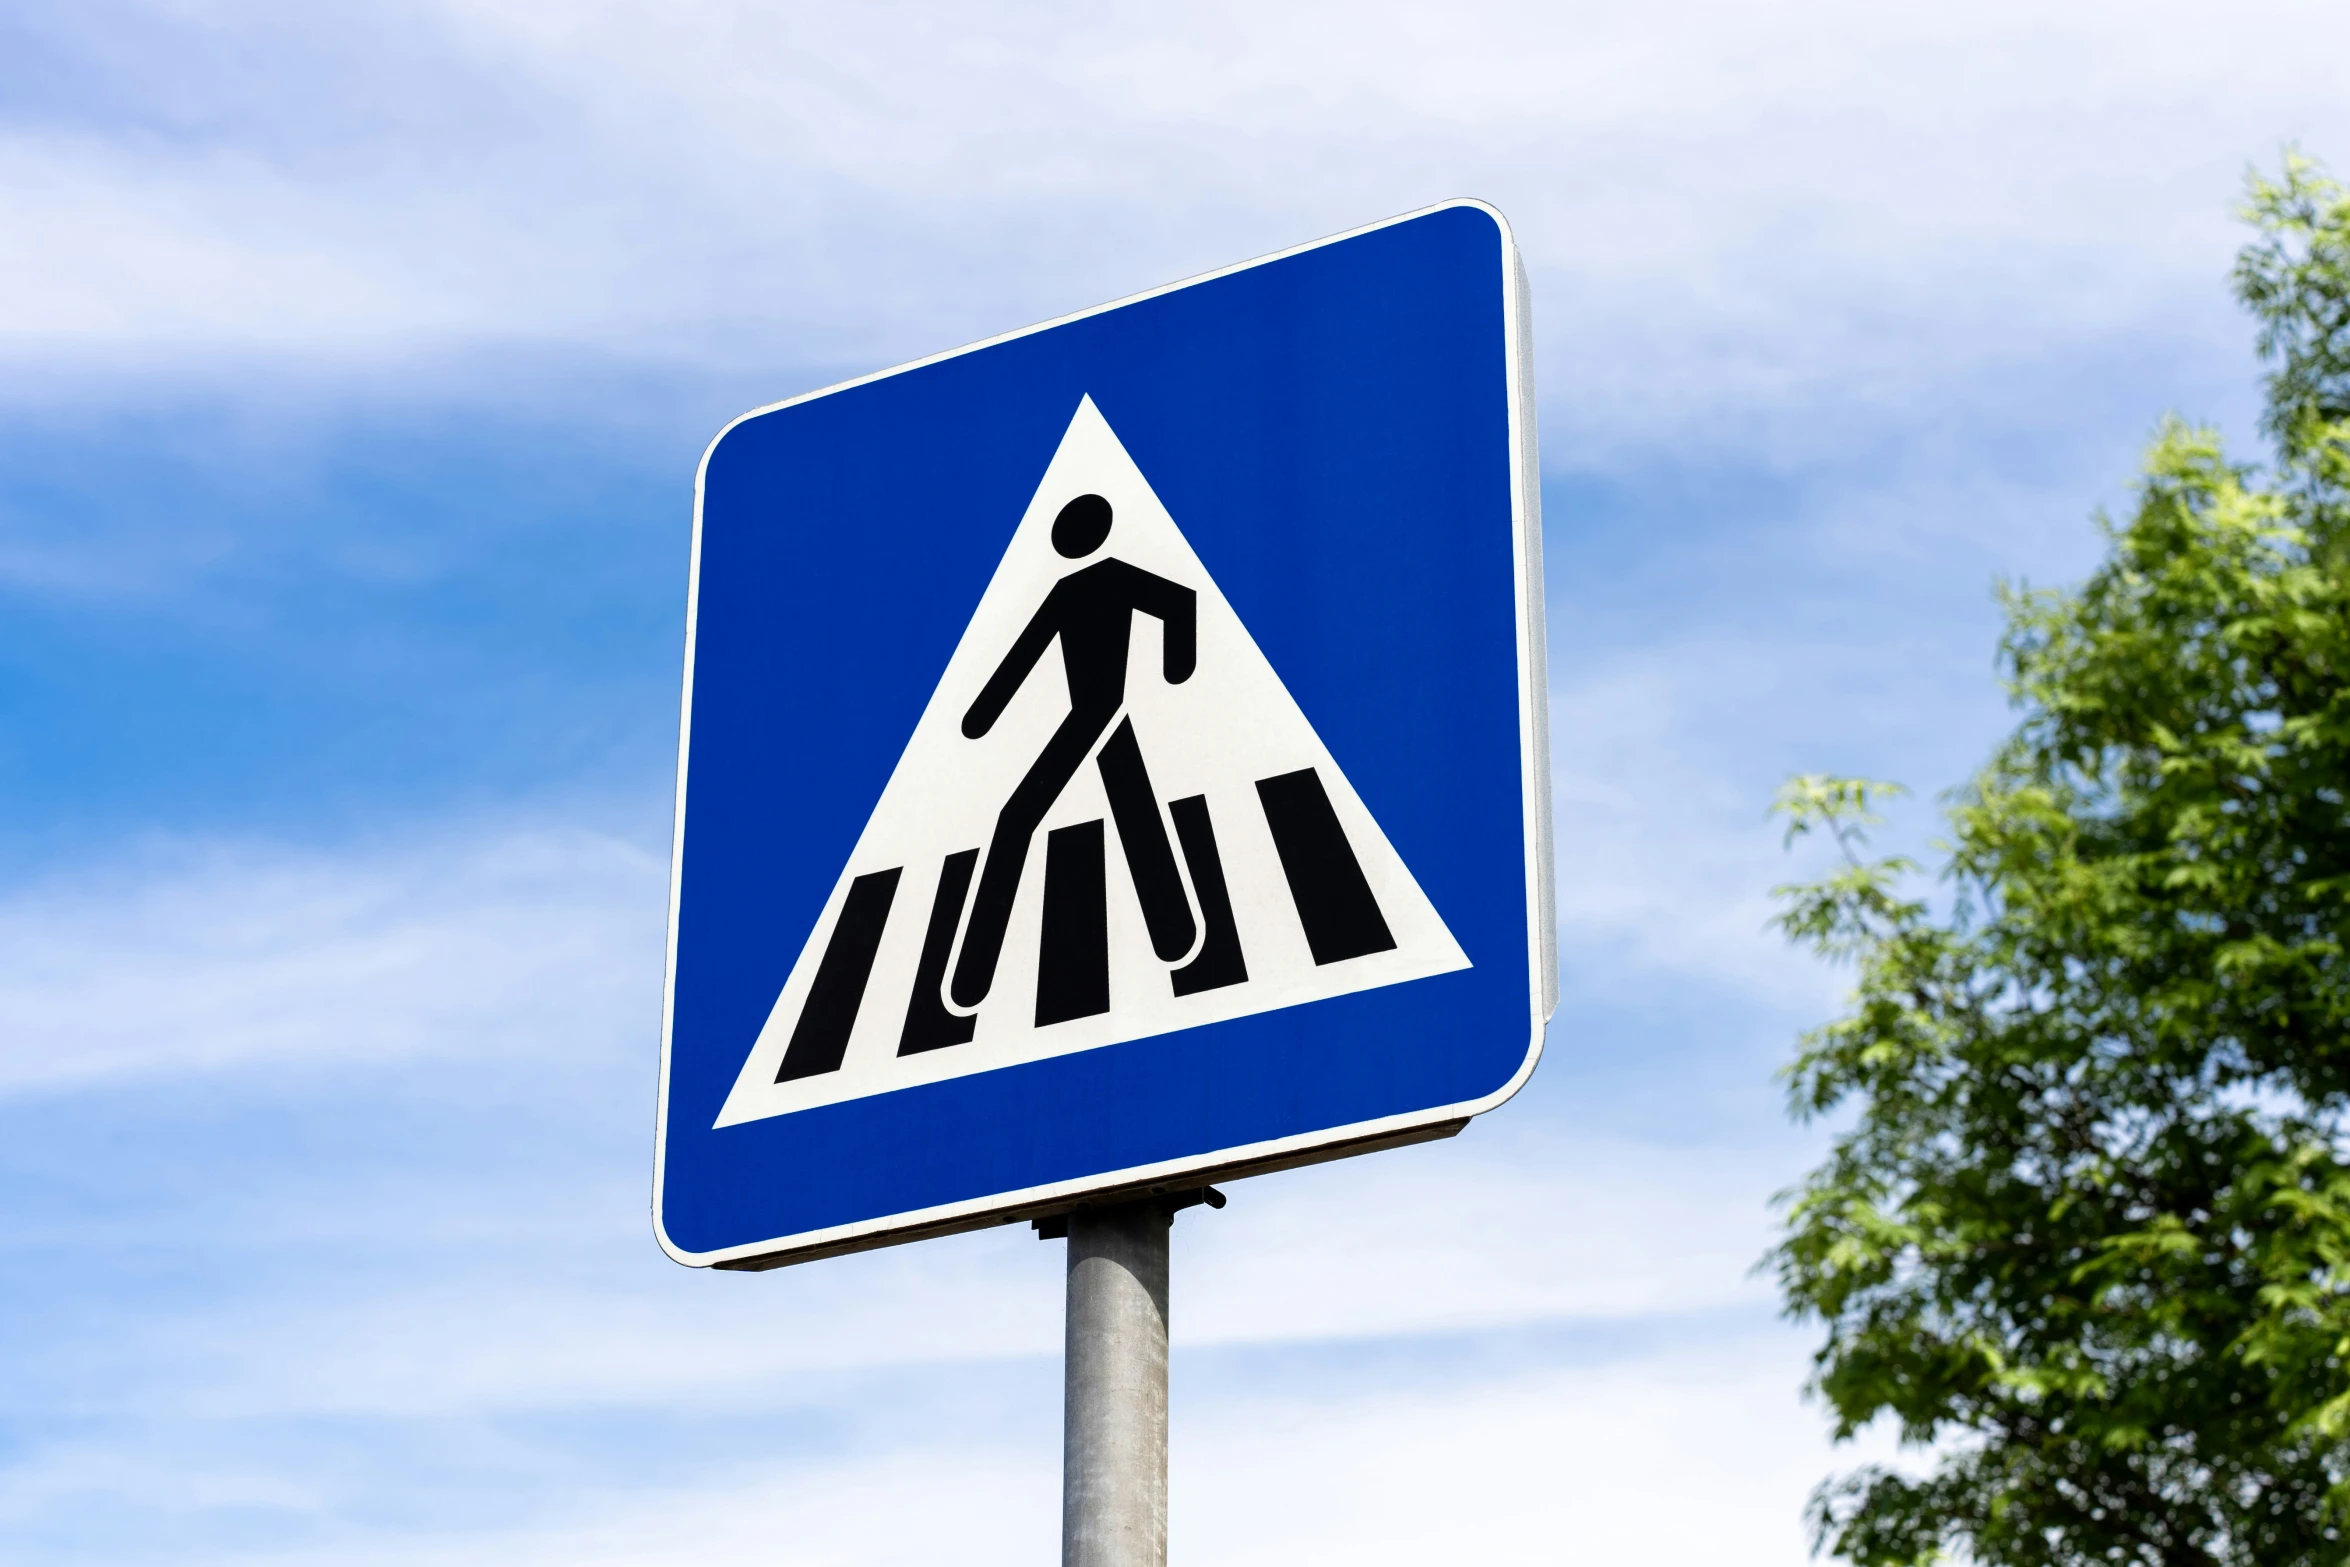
pixel 1177 609
pixel 1004 684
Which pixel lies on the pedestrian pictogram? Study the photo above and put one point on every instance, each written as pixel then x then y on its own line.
pixel 1111 821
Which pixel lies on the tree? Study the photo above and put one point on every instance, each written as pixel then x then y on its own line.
pixel 2083 1231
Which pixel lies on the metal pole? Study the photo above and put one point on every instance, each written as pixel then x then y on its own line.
pixel 1114 1417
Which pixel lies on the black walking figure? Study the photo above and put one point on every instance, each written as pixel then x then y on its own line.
pixel 1092 611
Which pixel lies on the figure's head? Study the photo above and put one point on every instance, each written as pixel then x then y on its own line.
pixel 1082 525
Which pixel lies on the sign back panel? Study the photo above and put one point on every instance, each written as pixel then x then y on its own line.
pixel 1113 756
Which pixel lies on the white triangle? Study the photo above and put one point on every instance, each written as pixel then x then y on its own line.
pixel 1216 735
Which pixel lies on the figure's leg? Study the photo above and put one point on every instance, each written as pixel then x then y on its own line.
pixel 1150 859
pixel 1007 852
pixel 929 1025
pixel 1220 961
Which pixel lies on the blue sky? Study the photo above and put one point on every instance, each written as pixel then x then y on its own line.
pixel 357 359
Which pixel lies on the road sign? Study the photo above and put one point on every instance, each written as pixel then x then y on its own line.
pixel 1113 756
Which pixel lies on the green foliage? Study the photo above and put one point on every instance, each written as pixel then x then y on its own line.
pixel 2296 279
pixel 2084 1229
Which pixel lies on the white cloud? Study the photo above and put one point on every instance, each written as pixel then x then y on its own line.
pixel 971 1506
pixel 1498 1229
pixel 1730 207
pixel 1662 771
pixel 1681 1452
pixel 203 958
pixel 1451 1241
pixel 1693 1453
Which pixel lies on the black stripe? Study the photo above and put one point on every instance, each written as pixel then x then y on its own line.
pixel 1219 962
pixel 1073 956
pixel 929 1025
pixel 1334 902
pixel 821 1037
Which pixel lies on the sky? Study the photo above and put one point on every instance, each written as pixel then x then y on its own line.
pixel 354 364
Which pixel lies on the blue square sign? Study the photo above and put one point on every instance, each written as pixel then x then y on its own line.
pixel 1113 757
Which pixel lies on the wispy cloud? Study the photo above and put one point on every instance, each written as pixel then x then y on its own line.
pixel 1516 1453
pixel 196 959
pixel 1728 206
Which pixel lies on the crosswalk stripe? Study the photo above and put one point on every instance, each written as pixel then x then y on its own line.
pixel 1334 901
pixel 822 1035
